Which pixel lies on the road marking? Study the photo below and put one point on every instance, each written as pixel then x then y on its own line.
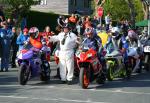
pixel 78 89
pixel 111 91
pixel 51 99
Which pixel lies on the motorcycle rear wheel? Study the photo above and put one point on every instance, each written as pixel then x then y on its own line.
pixel 84 78
pixel 23 75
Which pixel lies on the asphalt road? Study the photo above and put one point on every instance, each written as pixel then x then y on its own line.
pixel 136 90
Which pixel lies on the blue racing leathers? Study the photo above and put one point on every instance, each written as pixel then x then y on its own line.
pixel 119 43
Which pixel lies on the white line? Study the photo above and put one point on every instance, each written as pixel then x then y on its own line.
pixel 94 90
pixel 51 99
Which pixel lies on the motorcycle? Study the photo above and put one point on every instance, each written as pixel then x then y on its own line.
pixel 115 62
pixel 90 68
pixel 32 63
pixel 146 50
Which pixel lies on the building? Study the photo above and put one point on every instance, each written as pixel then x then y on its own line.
pixel 64 6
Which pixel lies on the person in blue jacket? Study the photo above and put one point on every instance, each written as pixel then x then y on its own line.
pixel 22 38
pixel 5 35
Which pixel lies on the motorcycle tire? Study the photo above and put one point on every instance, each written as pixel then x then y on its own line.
pixel 123 73
pixel 110 76
pixel 45 72
pixel 84 78
pixel 146 67
pixel 23 75
pixel 101 79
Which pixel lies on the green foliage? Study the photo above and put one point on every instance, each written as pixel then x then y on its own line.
pixel 18 8
pixel 118 8
pixel 139 11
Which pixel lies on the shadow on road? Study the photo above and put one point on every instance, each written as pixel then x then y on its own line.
pixel 138 80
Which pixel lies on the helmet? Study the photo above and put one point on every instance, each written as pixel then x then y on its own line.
pixel 25 30
pixel 34 31
pixel 89 31
pixel 132 34
pixel 99 27
pixel 115 32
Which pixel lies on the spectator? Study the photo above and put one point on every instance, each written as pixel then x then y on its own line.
pixel 87 22
pixel 10 23
pixel 95 22
pixel 107 21
pixel 60 21
pixel 47 32
pixel 5 35
pixel 22 38
pixel 14 47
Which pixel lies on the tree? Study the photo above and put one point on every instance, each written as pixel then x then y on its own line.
pixel 18 8
pixel 118 8
pixel 138 10
pixel 132 11
pixel 122 9
pixel 145 9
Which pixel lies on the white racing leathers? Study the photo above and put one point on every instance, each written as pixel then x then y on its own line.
pixel 66 54
pixel 133 52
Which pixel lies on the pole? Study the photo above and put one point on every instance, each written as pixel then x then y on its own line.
pixel 149 20
pixel 100 21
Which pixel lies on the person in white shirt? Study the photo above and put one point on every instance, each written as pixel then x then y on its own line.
pixel 68 41
pixel 107 21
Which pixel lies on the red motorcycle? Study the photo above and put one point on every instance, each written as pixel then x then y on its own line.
pixel 89 66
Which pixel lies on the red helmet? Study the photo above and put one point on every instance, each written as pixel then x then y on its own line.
pixel 34 31
pixel 25 30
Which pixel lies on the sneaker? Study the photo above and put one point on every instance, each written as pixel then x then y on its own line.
pixel 63 82
pixel 6 70
pixel 1 70
pixel 69 82
pixel 13 66
pixel 57 76
pixel 138 70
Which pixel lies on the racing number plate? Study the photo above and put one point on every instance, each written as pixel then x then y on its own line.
pixel 147 49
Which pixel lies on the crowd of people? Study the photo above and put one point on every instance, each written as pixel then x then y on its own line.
pixel 69 33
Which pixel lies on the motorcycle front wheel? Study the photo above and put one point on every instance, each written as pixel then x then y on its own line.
pixel 101 79
pixel 23 75
pixel 45 72
pixel 84 78
pixel 110 71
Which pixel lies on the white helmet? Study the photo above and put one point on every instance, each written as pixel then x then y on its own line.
pixel 115 30
pixel 34 31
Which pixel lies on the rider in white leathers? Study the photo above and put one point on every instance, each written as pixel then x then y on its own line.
pixel 68 41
